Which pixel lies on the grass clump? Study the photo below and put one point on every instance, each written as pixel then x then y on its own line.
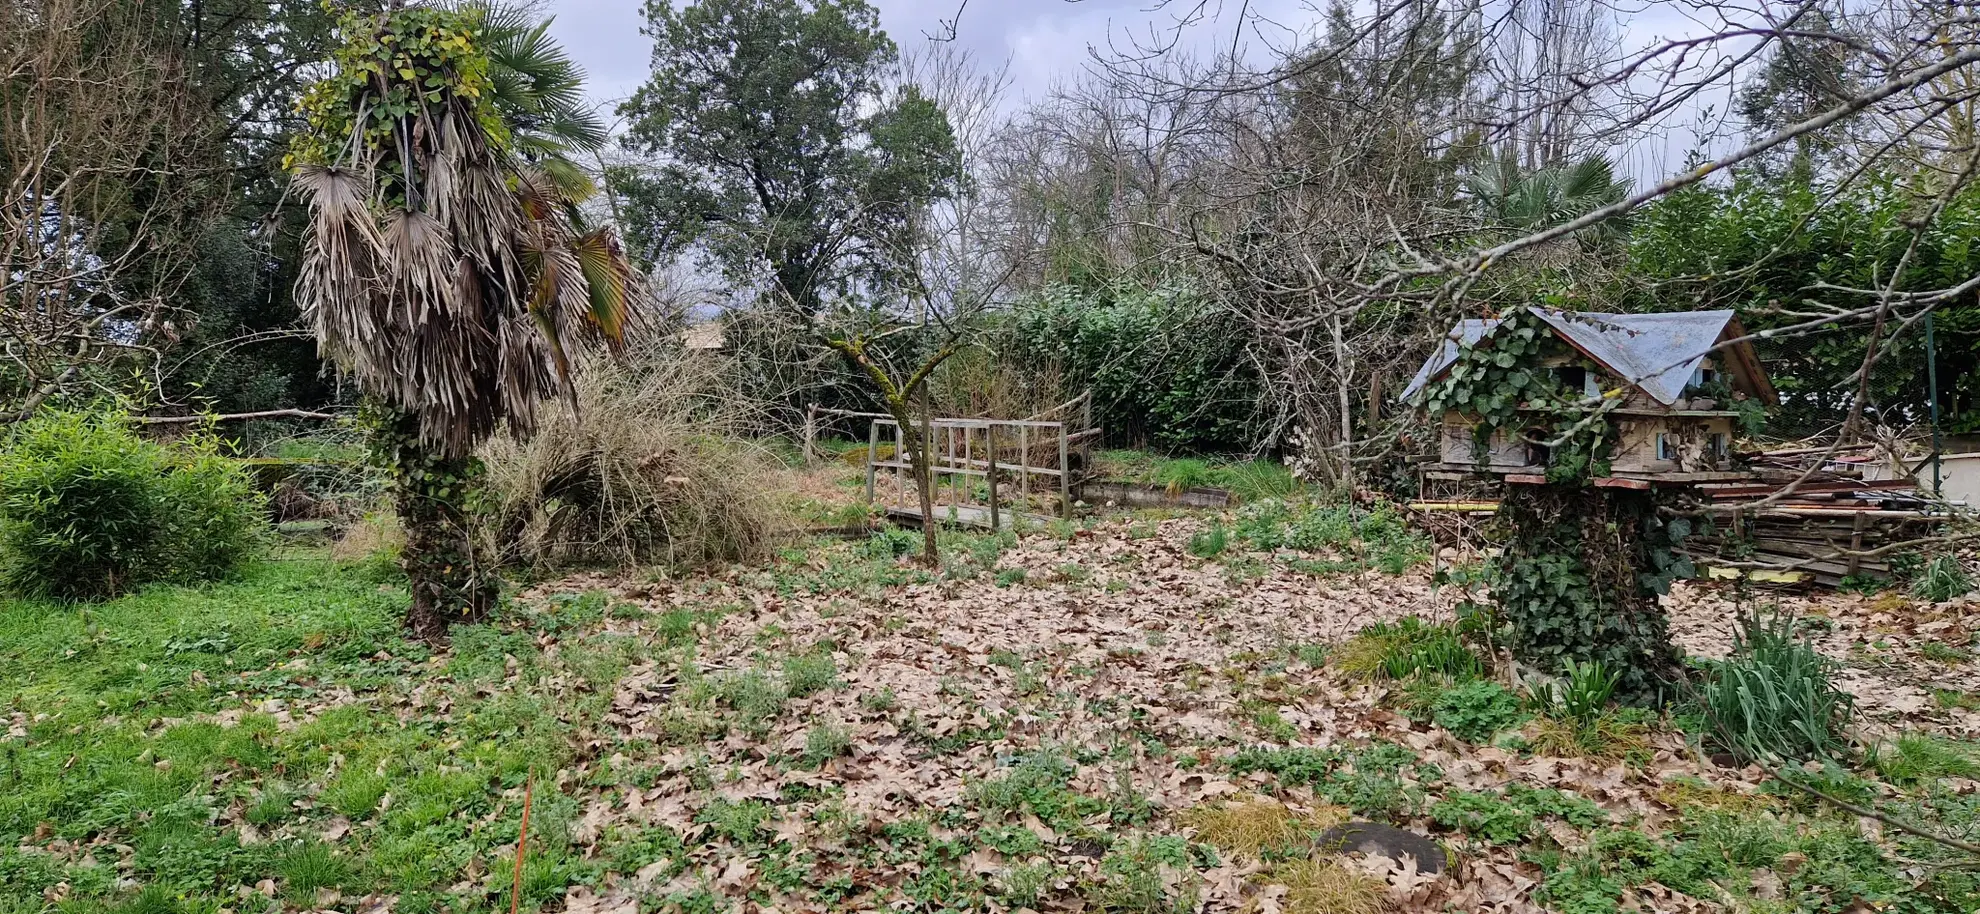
pixel 755 697
pixel 810 673
pixel 310 867
pixel 1942 579
pixel 1912 758
pixel 355 794
pixel 89 509
pixel 1408 648
pixel 1370 537
pixel 1773 698
pixel 742 822
pixel 1259 828
pixel 1037 784
pixel 1328 887
pixel 1578 718
pixel 1148 875
pixel 1210 543
pixel 1248 480
pixel 824 743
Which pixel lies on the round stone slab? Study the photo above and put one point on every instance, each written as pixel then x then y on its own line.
pixel 1387 840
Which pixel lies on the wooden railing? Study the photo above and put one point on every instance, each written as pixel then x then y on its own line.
pixel 961 450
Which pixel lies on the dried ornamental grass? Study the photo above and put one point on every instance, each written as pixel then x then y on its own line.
pixel 652 467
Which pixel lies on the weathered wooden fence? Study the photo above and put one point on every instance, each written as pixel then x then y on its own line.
pixel 1050 450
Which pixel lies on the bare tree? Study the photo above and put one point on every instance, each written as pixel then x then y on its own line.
pixel 940 274
pixel 105 182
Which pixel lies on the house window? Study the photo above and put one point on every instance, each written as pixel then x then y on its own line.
pixel 1572 377
pixel 1575 377
pixel 1664 449
pixel 1703 376
pixel 1720 445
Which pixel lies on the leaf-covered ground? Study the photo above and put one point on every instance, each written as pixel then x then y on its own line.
pixel 1139 715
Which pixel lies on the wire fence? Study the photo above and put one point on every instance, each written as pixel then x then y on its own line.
pixel 1819 375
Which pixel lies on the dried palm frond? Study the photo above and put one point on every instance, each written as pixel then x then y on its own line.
pixel 447 268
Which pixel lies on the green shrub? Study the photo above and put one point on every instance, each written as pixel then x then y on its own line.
pixel 1773 699
pixel 1474 711
pixel 1484 816
pixel 89 509
pixel 1165 365
pixel 1943 579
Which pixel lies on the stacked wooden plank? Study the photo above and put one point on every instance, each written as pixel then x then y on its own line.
pixel 1813 518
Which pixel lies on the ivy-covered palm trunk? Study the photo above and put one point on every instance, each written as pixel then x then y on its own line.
pixel 432 493
pixel 1579 578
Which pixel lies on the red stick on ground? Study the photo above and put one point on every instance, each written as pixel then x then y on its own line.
pixel 522 839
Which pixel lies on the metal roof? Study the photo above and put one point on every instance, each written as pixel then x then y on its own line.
pixel 1655 352
pixel 1466 332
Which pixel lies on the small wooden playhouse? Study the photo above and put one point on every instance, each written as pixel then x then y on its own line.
pixel 1674 374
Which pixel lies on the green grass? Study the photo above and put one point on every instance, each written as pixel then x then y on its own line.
pixel 1249 480
pixel 157 712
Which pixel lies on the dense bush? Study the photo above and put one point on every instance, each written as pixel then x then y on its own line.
pixel 1165 367
pixel 89 509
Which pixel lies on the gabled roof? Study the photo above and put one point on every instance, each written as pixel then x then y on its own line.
pixel 1467 332
pixel 1655 352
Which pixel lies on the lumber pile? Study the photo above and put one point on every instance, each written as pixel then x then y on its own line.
pixel 1812 517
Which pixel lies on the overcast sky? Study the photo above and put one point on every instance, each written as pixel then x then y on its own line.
pixel 1047 41
pixel 1044 40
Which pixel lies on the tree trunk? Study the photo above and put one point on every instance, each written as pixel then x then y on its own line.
pixel 1344 377
pixel 914 437
pixel 1572 584
pixel 448 580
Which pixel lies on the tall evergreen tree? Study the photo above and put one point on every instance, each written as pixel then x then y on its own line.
pixel 782 146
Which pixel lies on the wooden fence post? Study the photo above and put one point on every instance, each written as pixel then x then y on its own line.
pixel 872 457
pixel 1065 472
pixel 810 435
pixel 1024 465
pixel 990 432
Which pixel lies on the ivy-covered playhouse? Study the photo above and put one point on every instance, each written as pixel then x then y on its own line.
pixel 1619 399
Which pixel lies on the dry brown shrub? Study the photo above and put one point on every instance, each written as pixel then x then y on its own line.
pixel 651 468
pixel 1254 827
pixel 376 533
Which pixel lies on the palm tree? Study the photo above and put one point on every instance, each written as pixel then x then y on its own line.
pixel 1525 201
pixel 447 265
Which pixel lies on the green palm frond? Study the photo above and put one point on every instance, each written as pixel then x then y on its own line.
pixel 609 281
pixel 537 86
pixel 1549 196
